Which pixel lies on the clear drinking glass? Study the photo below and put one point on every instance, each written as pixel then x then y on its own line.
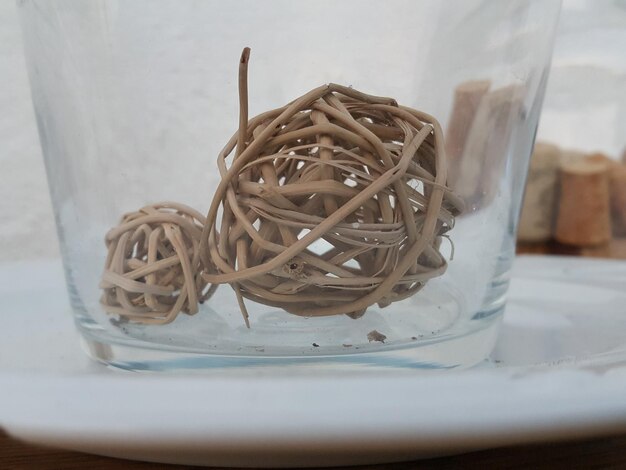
pixel 135 100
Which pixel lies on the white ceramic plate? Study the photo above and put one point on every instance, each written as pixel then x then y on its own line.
pixel 558 371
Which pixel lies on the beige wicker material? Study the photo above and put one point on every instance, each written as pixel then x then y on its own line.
pixel 330 204
pixel 149 274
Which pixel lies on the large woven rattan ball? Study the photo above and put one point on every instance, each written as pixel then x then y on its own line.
pixel 330 204
pixel 150 275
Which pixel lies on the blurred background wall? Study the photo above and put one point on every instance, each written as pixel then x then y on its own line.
pixel 585 109
pixel 585 104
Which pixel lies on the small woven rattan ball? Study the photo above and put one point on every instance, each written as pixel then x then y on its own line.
pixel 150 275
pixel 330 204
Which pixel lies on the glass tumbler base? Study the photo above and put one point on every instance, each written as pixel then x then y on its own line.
pixel 443 352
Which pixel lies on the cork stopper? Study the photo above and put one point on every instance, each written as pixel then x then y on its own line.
pixel 616 172
pixel 617 188
pixel 539 209
pixel 584 213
